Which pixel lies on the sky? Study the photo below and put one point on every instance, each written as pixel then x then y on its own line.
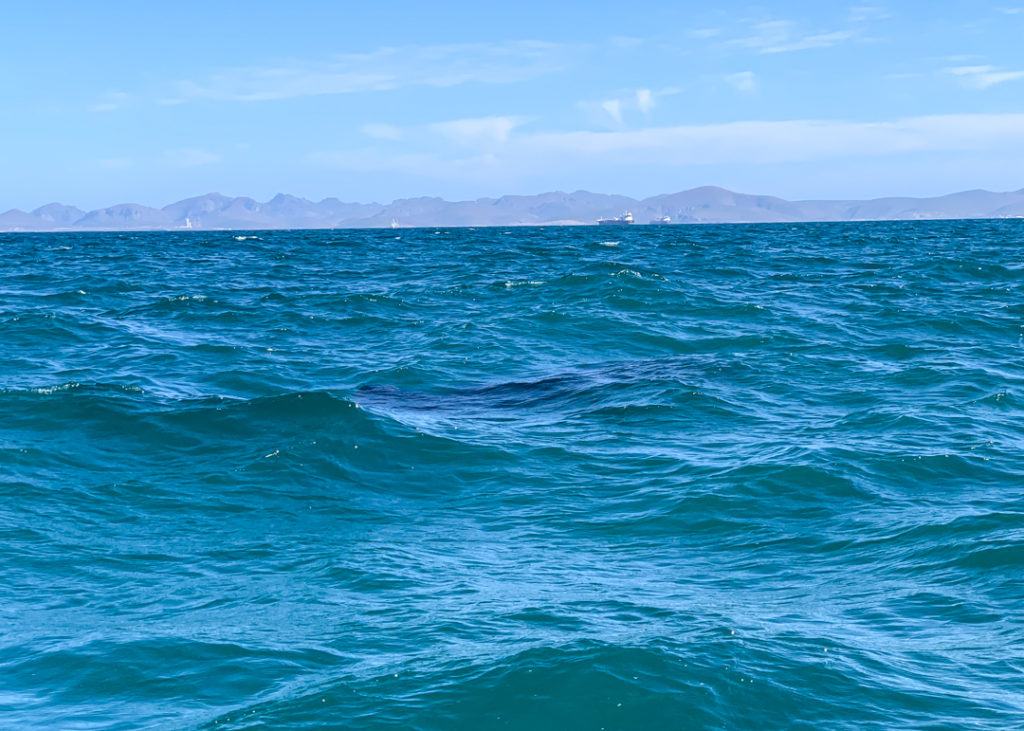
pixel 111 102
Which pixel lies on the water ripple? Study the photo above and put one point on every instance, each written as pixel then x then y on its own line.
pixel 704 478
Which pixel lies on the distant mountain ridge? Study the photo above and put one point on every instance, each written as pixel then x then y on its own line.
pixel 706 204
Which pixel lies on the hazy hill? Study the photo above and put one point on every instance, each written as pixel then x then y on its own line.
pixel 49 217
pixel 968 204
pixel 128 216
pixel 707 204
pixel 58 215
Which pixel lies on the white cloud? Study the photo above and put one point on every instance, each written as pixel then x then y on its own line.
pixel 382 131
pixel 982 77
pixel 382 70
pixel 743 81
pixel 190 157
pixel 644 100
pixel 616 110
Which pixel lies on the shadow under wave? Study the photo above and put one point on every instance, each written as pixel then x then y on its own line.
pixel 715 680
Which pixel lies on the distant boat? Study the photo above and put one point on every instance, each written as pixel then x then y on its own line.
pixel 188 223
pixel 394 223
pixel 625 219
pixel 663 221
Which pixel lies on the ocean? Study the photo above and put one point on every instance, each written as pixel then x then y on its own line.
pixel 651 477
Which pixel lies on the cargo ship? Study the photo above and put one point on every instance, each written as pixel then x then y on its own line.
pixel 624 220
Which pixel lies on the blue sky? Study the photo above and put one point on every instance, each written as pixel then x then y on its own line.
pixel 111 102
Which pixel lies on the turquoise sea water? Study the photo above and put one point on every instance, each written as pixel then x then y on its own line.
pixel 676 477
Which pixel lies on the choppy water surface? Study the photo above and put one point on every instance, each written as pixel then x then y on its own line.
pixel 734 477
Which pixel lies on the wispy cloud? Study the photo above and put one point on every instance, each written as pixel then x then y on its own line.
pixel 751 142
pixel 627 41
pixel 644 101
pixel 382 131
pixel 743 81
pixel 481 167
pixel 864 13
pixel 481 131
pixel 703 33
pixel 614 109
pixel 982 77
pixel 781 36
pixel 115 163
pixel 793 140
pixel 190 157
pixel 963 58
pixel 381 70
pixel 111 100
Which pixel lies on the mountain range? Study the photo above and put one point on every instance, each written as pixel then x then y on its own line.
pixel 707 204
